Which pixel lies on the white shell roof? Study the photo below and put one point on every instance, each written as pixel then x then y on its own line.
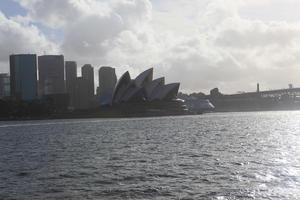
pixel 166 91
pixel 130 93
pixel 143 78
pixel 121 87
pixel 151 87
pixel 143 87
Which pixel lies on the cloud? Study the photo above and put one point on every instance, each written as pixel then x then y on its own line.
pixel 89 35
pixel 242 33
pixel 233 53
pixel 202 44
pixel 57 13
pixel 18 38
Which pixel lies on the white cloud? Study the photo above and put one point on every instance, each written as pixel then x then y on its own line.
pixel 202 44
pixel 234 52
pixel 58 13
pixel 17 38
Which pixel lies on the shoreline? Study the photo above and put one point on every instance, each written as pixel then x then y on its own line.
pixel 97 115
pixel 131 115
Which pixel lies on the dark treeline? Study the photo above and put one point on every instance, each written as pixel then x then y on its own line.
pixel 48 108
pixel 12 109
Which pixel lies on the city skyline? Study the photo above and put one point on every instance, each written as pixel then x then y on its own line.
pixel 51 79
pixel 211 43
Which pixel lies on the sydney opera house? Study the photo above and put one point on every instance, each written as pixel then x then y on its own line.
pixel 143 93
pixel 141 89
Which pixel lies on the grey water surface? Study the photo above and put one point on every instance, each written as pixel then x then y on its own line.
pixel 252 155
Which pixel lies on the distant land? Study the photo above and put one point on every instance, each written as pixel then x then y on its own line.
pixel 271 100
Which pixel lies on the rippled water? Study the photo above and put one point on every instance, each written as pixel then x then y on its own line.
pixel 212 156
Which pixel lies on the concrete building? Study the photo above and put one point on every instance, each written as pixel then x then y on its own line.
pixel 81 100
pixel 4 85
pixel 107 79
pixel 23 76
pixel 84 88
pixel 71 76
pixel 87 72
pixel 51 74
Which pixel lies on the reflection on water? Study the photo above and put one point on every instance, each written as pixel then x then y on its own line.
pixel 213 156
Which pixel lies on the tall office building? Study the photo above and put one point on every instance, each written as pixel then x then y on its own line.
pixel 51 74
pixel 81 100
pixel 87 72
pixel 107 79
pixel 84 88
pixel 4 85
pixel 71 76
pixel 23 76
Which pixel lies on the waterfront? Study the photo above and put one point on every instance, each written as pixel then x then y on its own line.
pixel 253 155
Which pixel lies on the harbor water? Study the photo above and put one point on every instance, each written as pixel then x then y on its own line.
pixel 220 156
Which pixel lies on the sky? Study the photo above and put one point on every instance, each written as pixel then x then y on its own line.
pixel 203 44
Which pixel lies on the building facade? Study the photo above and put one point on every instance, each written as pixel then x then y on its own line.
pixel 4 85
pixel 71 76
pixel 84 88
pixel 87 72
pixel 107 79
pixel 51 74
pixel 81 100
pixel 23 76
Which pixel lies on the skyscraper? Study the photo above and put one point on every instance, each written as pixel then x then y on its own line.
pixel 84 88
pixel 23 76
pixel 87 72
pixel 71 75
pixel 107 79
pixel 81 100
pixel 4 85
pixel 51 74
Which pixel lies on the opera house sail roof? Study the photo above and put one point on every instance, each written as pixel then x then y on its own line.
pixel 142 89
pixel 144 78
pixel 152 87
pixel 121 87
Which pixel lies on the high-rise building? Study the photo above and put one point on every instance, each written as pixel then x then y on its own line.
pixel 23 76
pixel 84 88
pixel 81 100
pixel 4 85
pixel 87 72
pixel 71 76
pixel 51 74
pixel 107 79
